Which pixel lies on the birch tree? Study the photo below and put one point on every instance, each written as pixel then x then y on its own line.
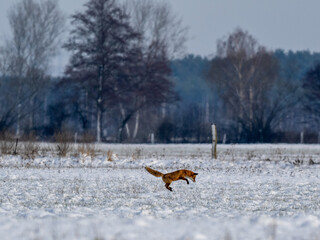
pixel 247 77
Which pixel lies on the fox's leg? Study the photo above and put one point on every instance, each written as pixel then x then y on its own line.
pixel 182 178
pixel 167 186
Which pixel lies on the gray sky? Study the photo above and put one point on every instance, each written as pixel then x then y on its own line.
pixel 286 24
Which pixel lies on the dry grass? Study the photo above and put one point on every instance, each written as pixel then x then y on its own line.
pixel 87 149
pixel 30 150
pixel 64 144
pixel 8 144
pixel 109 156
pixel 137 153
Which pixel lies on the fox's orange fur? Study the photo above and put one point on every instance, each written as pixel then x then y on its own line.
pixel 168 178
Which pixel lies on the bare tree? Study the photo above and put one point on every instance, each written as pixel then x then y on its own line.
pixel 148 86
pixel 102 43
pixel 247 77
pixel 157 23
pixel 163 37
pixel 25 57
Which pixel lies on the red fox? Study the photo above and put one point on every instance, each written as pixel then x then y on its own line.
pixel 168 178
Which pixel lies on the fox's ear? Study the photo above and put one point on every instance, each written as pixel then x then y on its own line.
pixel 195 173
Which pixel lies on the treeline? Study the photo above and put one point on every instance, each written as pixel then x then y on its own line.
pixel 295 93
pixel 125 81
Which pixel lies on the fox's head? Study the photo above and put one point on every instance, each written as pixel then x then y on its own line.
pixel 192 176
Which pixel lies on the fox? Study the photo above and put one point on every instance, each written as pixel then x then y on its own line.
pixel 168 178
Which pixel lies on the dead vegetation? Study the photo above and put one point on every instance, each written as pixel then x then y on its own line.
pixel 109 156
pixel 64 143
pixel 8 144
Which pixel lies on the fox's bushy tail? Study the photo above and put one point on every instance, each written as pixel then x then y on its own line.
pixel 154 172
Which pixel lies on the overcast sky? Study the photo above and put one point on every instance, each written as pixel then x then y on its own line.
pixel 286 24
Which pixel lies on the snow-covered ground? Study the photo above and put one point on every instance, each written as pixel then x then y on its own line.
pixel 249 192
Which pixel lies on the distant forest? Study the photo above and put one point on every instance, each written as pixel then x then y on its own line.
pixel 127 80
pixel 200 103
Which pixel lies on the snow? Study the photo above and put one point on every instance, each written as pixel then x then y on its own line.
pixel 249 192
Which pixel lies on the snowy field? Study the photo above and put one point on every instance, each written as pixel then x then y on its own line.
pixel 249 192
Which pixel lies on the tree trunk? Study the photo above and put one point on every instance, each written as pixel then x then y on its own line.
pixel 45 121
pixel 207 110
pixel 18 120
pixel 120 130
pixel 251 107
pixel 241 113
pixel 136 127
pixel 99 105
pixel 124 116
pixel 99 114
pixel 31 113
pixel 163 111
